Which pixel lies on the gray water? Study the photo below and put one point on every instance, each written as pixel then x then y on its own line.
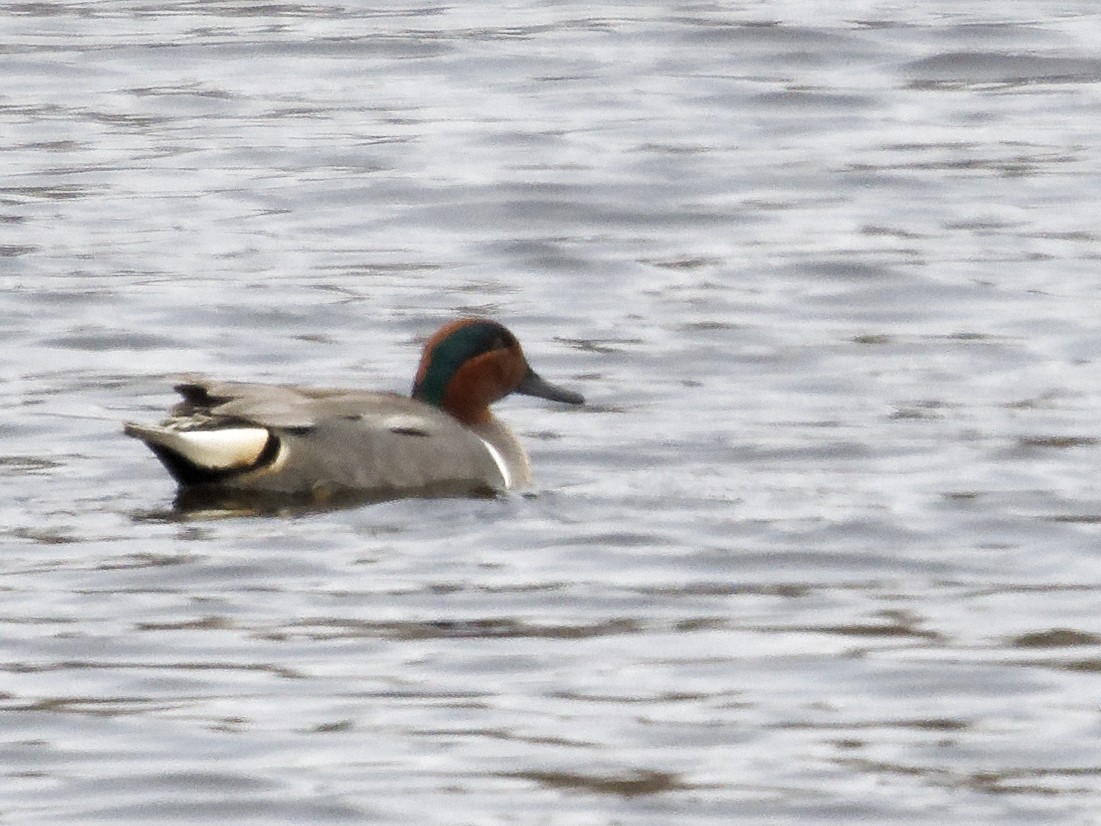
pixel 822 548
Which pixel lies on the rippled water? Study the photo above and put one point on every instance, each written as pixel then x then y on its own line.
pixel 823 547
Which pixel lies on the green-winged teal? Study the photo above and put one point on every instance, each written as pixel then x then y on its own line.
pixel 307 441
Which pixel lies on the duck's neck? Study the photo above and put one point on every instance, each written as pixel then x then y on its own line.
pixel 504 441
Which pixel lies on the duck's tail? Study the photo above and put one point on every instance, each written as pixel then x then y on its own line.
pixel 201 456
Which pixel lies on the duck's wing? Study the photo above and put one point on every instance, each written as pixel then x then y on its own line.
pixel 215 403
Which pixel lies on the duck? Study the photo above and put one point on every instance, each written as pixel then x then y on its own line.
pixel 289 440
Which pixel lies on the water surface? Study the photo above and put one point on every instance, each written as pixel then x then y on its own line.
pixel 821 548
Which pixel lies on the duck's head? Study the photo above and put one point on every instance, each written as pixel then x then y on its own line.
pixel 471 363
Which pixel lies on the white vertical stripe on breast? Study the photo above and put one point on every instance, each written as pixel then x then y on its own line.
pixel 502 465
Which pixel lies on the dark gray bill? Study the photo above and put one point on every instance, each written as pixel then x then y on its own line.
pixel 533 385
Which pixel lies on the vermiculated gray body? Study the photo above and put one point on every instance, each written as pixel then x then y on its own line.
pixel 325 441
